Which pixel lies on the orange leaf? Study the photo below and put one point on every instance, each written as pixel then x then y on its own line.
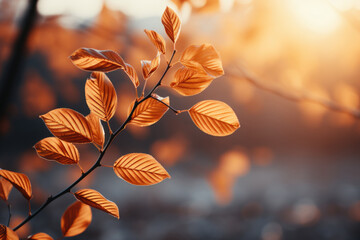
pixel 130 71
pixel 101 96
pixel 203 57
pixel 171 24
pixel 89 59
pixel 96 200
pixel 157 40
pixel 214 117
pixel 148 112
pixel 7 234
pixel 76 219
pixel 5 189
pixel 189 82
pixel 68 125
pixel 52 148
pixel 40 236
pixel 140 169
pixel 97 130
pixel 20 181
pixel 149 67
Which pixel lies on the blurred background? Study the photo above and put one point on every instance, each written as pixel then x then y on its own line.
pixel 292 171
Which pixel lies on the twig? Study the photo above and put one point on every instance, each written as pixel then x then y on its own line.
pixel 98 161
pixel 170 107
pixel 240 71
pixel 9 211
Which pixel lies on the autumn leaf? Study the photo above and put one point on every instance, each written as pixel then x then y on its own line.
pixel 7 234
pixel 188 82
pixel 130 71
pixel 89 59
pixel 97 130
pixel 75 219
pixel 52 148
pixel 101 96
pixel 203 57
pixel 96 200
pixel 149 67
pixel 172 24
pixel 148 112
pixel 5 189
pixel 214 117
pixel 20 181
pixel 68 125
pixel 157 40
pixel 140 169
pixel 40 236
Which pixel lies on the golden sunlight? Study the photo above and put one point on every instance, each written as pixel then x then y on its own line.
pixel 316 15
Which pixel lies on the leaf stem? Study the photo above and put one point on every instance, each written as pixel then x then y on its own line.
pixel 110 131
pixel 102 153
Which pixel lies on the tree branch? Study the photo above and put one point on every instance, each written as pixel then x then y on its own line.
pixel 102 153
pixel 242 72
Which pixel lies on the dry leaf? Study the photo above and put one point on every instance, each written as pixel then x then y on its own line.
pixel 149 67
pixel 214 117
pixel 130 71
pixel 75 219
pixel 157 40
pixel 189 82
pixel 68 125
pixel 97 130
pixel 199 57
pixel 52 148
pixel 171 24
pixel 20 181
pixel 140 169
pixel 101 96
pixel 7 234
pixel 148 112
pixel 40 236
pixel 89 59
pixel 5 189
pixel 96 200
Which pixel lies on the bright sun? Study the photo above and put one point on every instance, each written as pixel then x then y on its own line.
pixel 316 15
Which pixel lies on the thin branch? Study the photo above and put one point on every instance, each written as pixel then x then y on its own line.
pixel 9 211
pixel 170 107
pixel 240 71
pixel 102 153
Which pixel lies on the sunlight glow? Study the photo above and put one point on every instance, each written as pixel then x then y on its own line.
pixel 316 15
pixel 82 9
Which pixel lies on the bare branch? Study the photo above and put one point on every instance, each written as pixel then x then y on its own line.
pixel 241 72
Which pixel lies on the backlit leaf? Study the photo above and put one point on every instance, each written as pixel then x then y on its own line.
pixel 199 57
pixel 97 130
pixel 140 169
pixel 5 189
pixel 157 40
pixel 40 236
pixel 52 148
pixel 96 200
pixel 171 24
pixel 75 219
pixel 149 67
pixel 89 59
pixel 68 125
pixel 20 181
pixel 130 71
pixel 190 82
pixel 7 234
pixel 148 112
pixel 101 96
pixel 214 117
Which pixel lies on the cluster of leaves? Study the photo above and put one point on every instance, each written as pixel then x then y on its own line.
pixel 200 65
